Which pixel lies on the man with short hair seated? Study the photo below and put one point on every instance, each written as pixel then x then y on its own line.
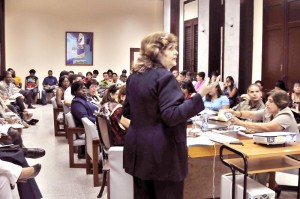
pixel 49 85
pixel 254 102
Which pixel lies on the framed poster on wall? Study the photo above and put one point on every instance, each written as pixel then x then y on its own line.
pixel 79 48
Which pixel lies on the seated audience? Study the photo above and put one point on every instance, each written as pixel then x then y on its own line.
pixel 295 101
pixel 49 86
pixel 110 95
pixel 11 173
pixel 8 92
pixel 63 84
pixel 230 90
pixel 213 76
pixel 17 81
pixel 116 79
pixel 175 73
pixel 182 76
pixel 200 80
pixel 81 107
pixel 88 76
pixel 92 93
pixel 190 76
pixel 32 84
pixel 187 89
pixel 295 97
pixel 215 100
pixel 109 73
pixel 68 97
pixel 95 74
pixel 105 78
pixel 123 76
pixel 279 84
pixel 254 102
pixel 277 116
pixel 118 129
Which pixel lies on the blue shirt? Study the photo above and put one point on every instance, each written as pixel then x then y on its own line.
pixel 216 104
pixel 50 80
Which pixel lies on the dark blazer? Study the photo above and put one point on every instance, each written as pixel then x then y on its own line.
pixel 155 143
pixel 81 108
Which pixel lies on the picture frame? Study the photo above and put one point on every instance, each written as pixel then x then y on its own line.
pixel 79 48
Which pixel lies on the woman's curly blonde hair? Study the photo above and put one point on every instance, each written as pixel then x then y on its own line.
pixel 151 46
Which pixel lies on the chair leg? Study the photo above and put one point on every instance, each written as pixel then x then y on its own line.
pixel 88 164
pixel 103 184
pixel 95 165
pixel 71 155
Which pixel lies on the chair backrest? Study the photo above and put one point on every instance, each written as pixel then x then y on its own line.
pixel 53 101
pixel 70 120
pixel 91 133
pixel 66 109
pixel 104 132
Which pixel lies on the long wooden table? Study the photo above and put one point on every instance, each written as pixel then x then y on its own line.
pixel 199 183
pixel 257 158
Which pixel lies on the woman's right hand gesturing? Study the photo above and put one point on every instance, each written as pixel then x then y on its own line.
pixel 207 86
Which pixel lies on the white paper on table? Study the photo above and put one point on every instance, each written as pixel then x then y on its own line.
pixel 4 128
pixel 17 126
pixel 209 112
pixel 16 95
pixel 200 140
pixel 245 134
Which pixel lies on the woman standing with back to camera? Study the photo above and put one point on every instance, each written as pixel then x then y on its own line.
pixel 155 150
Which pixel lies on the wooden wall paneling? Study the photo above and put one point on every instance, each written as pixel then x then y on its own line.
pixel 246 45
pixel 293 42
pixel 190 49
pixel 216 21
pixel 273 43
pixel 2 37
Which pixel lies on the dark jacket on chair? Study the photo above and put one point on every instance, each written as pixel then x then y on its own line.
pixel 155 144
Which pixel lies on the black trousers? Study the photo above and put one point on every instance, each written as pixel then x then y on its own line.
pixel 28 190
pixel 154 189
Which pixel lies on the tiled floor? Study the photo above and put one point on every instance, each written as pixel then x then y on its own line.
pixel 57 180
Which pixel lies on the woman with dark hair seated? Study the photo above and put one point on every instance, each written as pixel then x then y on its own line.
pixel 81 107
pixel 63 84
pixel 215 100
pixel 118 127
pixel 92 93
pixel 230 90
pixel 110 95
pixel 187 89
pixel 277 116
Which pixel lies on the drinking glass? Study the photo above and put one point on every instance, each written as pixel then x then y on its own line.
pixel 228 115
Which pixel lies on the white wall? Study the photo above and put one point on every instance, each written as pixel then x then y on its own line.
pixel 232 39
pixel 257 40
pixel 35 32
pixel 203 36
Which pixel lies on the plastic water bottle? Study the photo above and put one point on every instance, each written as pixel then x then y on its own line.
pixel 205 122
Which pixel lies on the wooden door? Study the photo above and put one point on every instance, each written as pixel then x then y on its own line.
pixel 273 43
pixel 293 42
pixel 190 57
pixel 281 45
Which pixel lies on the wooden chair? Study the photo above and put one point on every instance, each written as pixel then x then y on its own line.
pixel 105 143
pixel 66 110
pixel 59 125
pixel 73 140
pixel 92 152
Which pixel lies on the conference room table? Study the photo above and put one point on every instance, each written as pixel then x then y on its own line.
pixel 205 169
